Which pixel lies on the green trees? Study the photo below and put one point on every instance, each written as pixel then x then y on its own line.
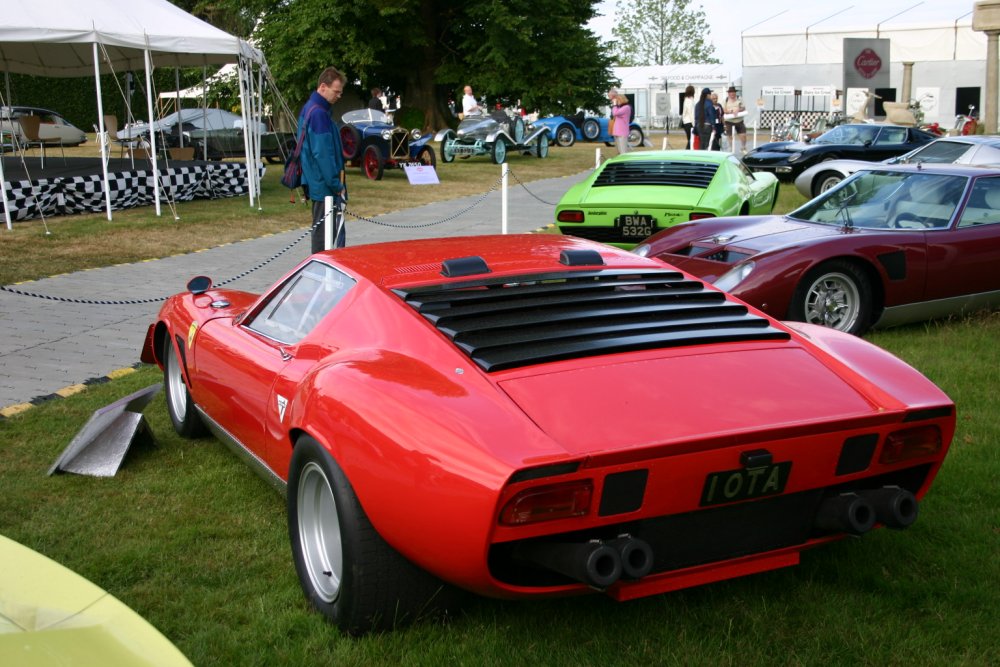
pixel 536 51
pixel 661 32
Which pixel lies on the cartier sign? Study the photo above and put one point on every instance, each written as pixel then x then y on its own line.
pixel 867 64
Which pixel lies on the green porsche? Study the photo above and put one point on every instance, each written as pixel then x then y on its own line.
pixel 632 196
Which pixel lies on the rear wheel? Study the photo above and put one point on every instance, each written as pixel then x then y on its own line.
pixel 499 152
pixel 346 570
pixel 543 145
pixel 372 163
pixel 591 129
pixel 565 136
pixel 183 416
pixel 350 142
pixel 827 180
pixel 635 137
pixel 837 294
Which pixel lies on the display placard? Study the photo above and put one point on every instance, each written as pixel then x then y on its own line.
pixel 421 174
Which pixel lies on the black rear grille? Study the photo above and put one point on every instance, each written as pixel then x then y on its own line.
pixel 638 172
pixel 503 323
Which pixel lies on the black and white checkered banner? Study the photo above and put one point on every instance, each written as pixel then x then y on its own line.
pixel 85 194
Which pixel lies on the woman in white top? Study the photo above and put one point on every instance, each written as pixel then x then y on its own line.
pixel 687 113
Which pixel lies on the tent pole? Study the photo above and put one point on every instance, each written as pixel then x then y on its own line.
pixel 152 131
pixel 241 69
pixel 259 98
pixel 3 178
pixel 102 133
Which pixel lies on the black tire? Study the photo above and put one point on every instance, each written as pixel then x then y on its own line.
pixel 426 156
pixel 446 154
pixel 372 162
pixel 186 420
pixel 591 129
pixel 826 180
pixel 837 294
pixel 498 153
pixel 350 142
pixel 346 570
pixel 609 143
pixel 635 137
pixel 565 136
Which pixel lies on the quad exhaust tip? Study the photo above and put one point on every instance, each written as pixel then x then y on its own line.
pixel 855 513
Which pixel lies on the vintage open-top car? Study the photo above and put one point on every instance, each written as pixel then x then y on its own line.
pixel 495 134
pixel 370 140
pixel 567 130
pixel 536 415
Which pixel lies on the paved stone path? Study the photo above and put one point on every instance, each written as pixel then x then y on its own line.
pixel 51 347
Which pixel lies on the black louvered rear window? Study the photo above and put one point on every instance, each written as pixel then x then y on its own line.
pixel 659 172
pixel 502 324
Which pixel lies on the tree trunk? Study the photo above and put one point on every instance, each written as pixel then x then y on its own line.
pixel 421 87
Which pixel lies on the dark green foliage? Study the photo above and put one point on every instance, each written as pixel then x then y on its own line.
pixel 409 117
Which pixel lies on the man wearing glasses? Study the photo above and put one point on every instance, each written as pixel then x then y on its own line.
pixel 322 155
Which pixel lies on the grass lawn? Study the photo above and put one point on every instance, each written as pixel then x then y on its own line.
pixel 196 543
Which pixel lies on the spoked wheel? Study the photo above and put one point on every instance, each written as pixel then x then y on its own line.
pixel 499 152
pixel 183 416
pixel 543 145
pixel 347 571
pixel 837 295
pixel 350 142
pixel 446 154
pixel 565 136
pixel 591 129
pixel 372 163
pixel 426 156
pixel 517 129
pixel 635 137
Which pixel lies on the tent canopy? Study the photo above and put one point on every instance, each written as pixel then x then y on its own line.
pixel 55 37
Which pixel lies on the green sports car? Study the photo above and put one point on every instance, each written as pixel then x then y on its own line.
pixel 632 196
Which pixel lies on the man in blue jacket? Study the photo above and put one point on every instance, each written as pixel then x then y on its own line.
pixel 322 156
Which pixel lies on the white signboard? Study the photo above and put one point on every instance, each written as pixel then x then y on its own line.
pixel 817 90
pixel 856 99
pixel 928 97
pixel 778 90
pixel 421 174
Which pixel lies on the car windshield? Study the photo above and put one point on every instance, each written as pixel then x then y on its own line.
pixel 936 152
pixel 848 134
pixel 888 200
pixel 365 116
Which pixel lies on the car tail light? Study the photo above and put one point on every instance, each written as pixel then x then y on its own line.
pixel 700 216
pixel 570 216
pixel 912 443
pixel 545 503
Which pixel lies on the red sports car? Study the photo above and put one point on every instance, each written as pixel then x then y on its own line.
pixel 492 414
pixel 892 244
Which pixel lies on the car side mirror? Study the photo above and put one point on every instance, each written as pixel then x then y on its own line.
pixel 868 143
pixel 199 285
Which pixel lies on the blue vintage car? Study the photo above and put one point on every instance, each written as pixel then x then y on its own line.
pixel 372 142
pixel 567 130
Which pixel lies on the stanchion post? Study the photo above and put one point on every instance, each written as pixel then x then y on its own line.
pixel 504 171
pixel 664 143
pixel 597 158
pixel 327 222
pixel 755 134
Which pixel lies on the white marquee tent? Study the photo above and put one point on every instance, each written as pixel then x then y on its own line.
pixel 65 38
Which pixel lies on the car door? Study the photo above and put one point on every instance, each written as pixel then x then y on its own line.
pixel 964 258
pixel 888 142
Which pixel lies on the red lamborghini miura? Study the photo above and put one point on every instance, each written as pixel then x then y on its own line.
pixel 541 415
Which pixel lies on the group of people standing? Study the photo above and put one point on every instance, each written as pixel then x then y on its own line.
pixel 708 120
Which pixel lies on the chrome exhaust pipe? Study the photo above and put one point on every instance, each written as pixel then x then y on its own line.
pixel 847 513
pixel 636 556
pixel 894 507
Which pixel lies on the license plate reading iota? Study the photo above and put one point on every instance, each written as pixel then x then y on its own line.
pixel 745 483
pixel 636 226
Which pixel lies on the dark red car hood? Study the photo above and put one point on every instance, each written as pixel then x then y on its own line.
pixel 768 233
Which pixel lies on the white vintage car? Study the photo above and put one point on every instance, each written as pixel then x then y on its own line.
pixel 52 128
pixel 495 134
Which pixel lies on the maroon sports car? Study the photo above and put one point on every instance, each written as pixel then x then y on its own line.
pixel 890 245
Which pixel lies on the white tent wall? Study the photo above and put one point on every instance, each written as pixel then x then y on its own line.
pixel 66 38
pixel 657 88
pixel 804 47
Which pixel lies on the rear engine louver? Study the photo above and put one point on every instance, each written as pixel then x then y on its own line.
pixel 503 323
pixel 637 172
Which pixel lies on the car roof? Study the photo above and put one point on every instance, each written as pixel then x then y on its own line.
pixel 7 110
